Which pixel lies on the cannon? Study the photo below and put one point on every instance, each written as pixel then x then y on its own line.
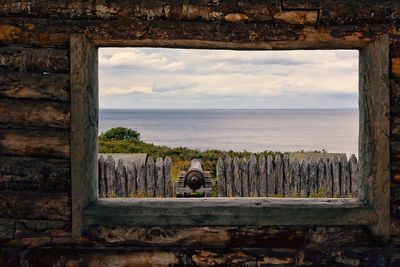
pixel 195 182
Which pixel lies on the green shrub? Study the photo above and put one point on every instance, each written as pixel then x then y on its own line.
pixel 123 140
pixel 120 133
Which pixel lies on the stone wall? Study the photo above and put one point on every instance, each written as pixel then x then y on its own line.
pixel 35 157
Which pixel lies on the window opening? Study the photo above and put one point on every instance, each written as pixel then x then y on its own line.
pixel 263 123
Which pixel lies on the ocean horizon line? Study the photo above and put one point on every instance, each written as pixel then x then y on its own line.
pixel 228 109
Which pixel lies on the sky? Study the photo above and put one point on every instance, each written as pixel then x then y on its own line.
pixel 159 78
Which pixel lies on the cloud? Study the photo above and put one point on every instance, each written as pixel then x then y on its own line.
pixel 134 58
pixel 123 91
pixel 157 78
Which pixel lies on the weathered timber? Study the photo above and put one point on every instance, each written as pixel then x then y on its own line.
pixel 286 24
pixel 35 86
pixel 336 177
pixel 279 190
pixel 159 170
pixel 321 180
pixel 110 176
pixel 102 177
pixel 270 176
pixel 120 178
pixel 228 175
pixel 244 171
pixel 84 122
pixel 40 174
pixel 130 178
pixel 253 184
pixel 262 176
pixel 39 60
pixel 237 178
pixel 141 176
pixel 297 12
pixel 329 177
pixel 150 181
pixel 36 228
pixel 167 34
pixel 348 12
pixel 304 179
pixel 35 205
pixel 221 179
pixel 7 228
pixel 344 175
pixel 253 211
pixel 286 175
pixel 33 113
pixel 354 176
pixel 223 236
pixel 42 143
pixel 313 176
pixel 295 174
pixel 169 190
pixel 374 138
pixel 148 11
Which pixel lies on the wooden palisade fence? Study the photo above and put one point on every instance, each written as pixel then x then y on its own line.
pixel 135 179
pixel 312 177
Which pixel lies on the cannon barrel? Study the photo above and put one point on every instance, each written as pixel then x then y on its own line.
pixel 195 176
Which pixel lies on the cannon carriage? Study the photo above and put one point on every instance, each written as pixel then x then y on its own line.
pixel 195 182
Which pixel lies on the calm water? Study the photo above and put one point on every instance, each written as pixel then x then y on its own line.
pixel 238 130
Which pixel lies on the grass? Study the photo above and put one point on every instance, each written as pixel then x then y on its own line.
pixel 181 156
pixel 123 140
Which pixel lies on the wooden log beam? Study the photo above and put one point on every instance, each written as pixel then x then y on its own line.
pixel 342 12
pixel 329 12
pixel 36 228
pixel 34 113
pixel 35 86
pixel 38 60
pixel 145 10
pixel 41 174
pixel 252 211
pixel 35 205
pixel 42 143
pixel 136 32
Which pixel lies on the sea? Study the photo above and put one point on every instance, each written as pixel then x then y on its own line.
pixel 254 130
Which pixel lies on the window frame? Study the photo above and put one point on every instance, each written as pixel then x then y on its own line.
pixel 372 208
